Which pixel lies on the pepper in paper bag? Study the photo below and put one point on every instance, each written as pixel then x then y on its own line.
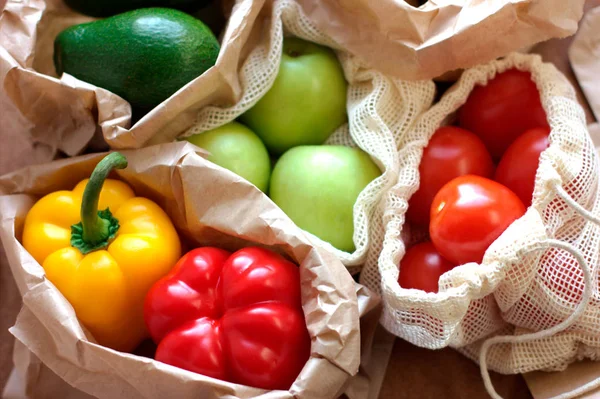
pixel 236 317
pixel 103 262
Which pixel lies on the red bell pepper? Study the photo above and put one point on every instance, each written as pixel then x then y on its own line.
pixel 236 317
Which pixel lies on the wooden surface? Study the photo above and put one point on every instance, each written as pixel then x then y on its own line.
pixel 420 373
pixel 412 372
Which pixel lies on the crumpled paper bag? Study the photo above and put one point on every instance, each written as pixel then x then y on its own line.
pixel 32 379
pixel 209 206
pixel 441 35
pixel 584 55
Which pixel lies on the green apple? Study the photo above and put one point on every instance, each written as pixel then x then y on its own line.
pixel 235 147
pixel 317 186
pixel 306 103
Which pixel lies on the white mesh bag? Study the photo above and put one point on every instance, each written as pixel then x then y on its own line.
pixel 380 111
pixel 531 303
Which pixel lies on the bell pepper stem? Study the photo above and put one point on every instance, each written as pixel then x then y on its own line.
pixel 96 227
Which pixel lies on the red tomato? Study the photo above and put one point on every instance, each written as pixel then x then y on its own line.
pixel 503 109
pixel 422 267
pixel 519 164
pixel 451 152
pixel 468 214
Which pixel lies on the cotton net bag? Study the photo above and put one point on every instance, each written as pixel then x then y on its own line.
pixel 380 109
pixel 531 304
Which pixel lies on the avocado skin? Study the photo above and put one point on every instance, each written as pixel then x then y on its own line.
pixel 144 55
pixel 107 8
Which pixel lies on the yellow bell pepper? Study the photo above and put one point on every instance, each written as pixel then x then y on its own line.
pixel 103 262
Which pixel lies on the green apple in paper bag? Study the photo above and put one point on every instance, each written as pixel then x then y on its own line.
pixel 235 147
pixel 306 103
pixel 317 186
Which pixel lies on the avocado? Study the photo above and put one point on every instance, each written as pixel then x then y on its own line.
pixel 107 8
pixel 144 55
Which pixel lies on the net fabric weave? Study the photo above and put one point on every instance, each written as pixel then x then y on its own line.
pixel 523 284
pixel 380 111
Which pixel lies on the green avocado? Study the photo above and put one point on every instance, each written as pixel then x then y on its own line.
pixel 107 8
pixel 144 55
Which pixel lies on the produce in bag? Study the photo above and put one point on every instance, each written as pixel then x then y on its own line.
pixel 103 248
pixel 238 149
pixel 315 185
pixel 293 98
pixel 62 112
pixel 526 306
pixel 144 55
pixel 209 207
pixel 232 316
pixel 468 214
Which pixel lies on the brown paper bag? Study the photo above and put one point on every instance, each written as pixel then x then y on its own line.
pixel 584 55
pixel 210 206
pixel 59 116
pixel 441 35
pixel 32 379
pixel 580 381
